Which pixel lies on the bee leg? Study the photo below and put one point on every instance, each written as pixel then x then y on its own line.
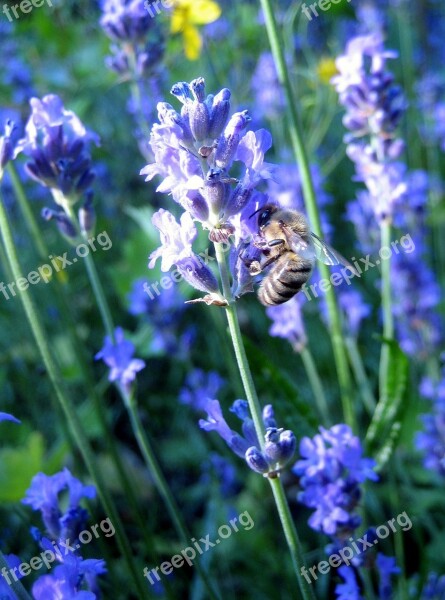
pixel 276 242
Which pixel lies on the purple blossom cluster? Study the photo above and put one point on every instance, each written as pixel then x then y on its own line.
pixel 431 440
pixel 74 578
pixel 200 387
pixel 137 42
pixel 58 146
pixel 195 153
pixel 331 471
pixel 374 106
pixel 279 444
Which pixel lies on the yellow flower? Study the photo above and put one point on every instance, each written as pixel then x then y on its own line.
pixel 186 15
pixel 326 69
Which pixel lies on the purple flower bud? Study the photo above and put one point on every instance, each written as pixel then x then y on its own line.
pixel 198 111
pixel 219 113
pixel 64 223
pixel 228 143
pixel 280 445
pixel 215 192
pixel 256 460
pixel 197 274
pixel 182 91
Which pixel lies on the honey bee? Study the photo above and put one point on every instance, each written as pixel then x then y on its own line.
pixel 290 250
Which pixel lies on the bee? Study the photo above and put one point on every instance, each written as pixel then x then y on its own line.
pixel 290 250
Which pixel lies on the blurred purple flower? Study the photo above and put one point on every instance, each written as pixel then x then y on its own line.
pixel 288 322
pixel 199 387
pixel 269 101
pixel 387 567
pixel 349 590
pixel 418 325
pixel 354 309
pixel 330 473
pixel 8 417
pixel 431 440
pixel 44 495
pixel 434 589
pixel 119 358
pixel 69 580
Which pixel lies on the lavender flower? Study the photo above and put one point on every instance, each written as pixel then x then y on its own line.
pixel 137 42
pixel 44 495
pixel 418 326
pixel 118 356
pixel 354 309
pixel 279 445
pixel 6 592
pixel 163 311
pixel 431 441
pixel 70 579
pixel 331 472
pixel 349 590
pixel 177 250
pixel 59 147
pixel 194 152
pixel 8 417
pixel 374 107
pixel 434 589
pixel 387 567
pixel 265 86
pixel 200 387
pixel 288 322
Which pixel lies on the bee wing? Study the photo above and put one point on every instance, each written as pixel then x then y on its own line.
pixel 299 245
pixel 327 255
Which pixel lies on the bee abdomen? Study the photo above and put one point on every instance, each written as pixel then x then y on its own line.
pixel 284 281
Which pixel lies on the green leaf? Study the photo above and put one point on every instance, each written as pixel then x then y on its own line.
pixel 391 396
pixel 18 466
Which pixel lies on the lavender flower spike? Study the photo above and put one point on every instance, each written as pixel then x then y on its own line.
pixel 58 144
pixel 279 446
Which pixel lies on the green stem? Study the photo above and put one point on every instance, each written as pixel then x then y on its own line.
pixel 255 410
pixel 388 321
pixel 296 136
pixel 67 408
pixel 161 484
pixel 138 430
pixel 16 586
pixel 291 537
pixel 27 212
pixel 316 385
pixel 78 350
pixel 238 346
